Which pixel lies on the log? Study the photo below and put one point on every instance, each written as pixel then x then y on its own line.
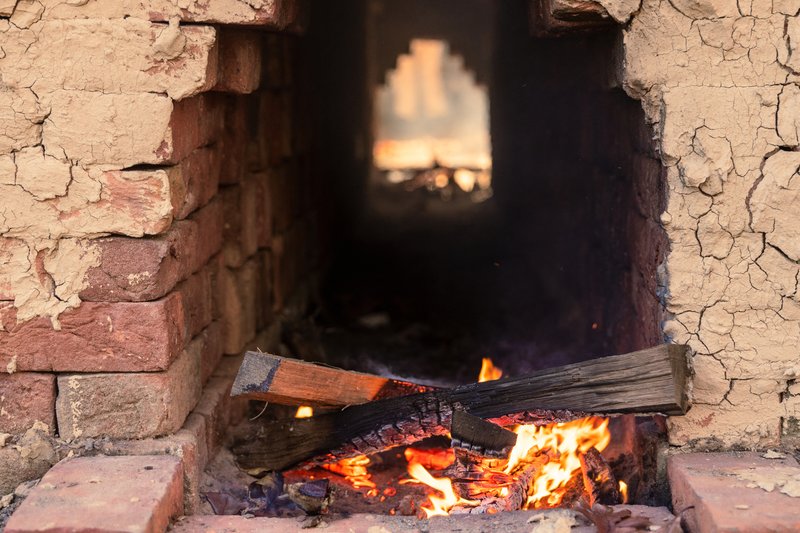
pixel 479 437
pixel 286 381
pixel 648 381
pixel 599 481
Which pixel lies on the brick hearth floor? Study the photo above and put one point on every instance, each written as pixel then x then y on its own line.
pixel 713 492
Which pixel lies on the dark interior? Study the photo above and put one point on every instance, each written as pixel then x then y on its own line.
pixel 558 266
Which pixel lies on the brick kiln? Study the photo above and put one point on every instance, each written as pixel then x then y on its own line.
pixel 182 181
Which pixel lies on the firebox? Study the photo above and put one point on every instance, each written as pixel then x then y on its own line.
pixel 388 260
pixel 497 201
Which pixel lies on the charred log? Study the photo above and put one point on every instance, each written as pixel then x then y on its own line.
pixel 598 480
pixel 653 380
pixel 479 437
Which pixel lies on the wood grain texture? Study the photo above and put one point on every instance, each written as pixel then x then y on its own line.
pixel 294 382
pixel 647 381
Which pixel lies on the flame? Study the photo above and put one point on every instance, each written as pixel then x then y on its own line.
pixel 354 470
pixel 304 411
pixel 566 441
pixel 489 372
pixel 623 490
pixel 431 458
pixel 440 506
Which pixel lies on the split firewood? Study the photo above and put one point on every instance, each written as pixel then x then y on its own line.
pixel 288 381
pixel 648 381
pixel 514 497
pixel 599 482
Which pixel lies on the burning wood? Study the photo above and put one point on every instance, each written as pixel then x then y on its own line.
pixel 541 465
pixel 653 380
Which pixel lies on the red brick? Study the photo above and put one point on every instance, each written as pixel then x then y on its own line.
pixel 130 405
pixel 185 444
pixel 264 296
pixel 237 137
pixel 195 122
pixel 97 494
pixel 240 61
pixel 289 264
pixel 287 196
pixel 148 268
pixel 238 304
pixel 26 397
pixel 198 176
pixel 270 127
pixel 197 294
pixel 264 210
pixel 214 407
pixel 715 492
pixel 212 351
pixel 241 232
pixel 97 337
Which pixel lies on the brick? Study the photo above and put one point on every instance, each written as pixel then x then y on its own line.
pixel 264 211
pixel 27 397
pixel 238 304
pixel 21 116
pixel 240 61
pixel 75 55
pixel 128 129
pixel 97 337
pixel 277 15
pixel 241 214
pixel 286 192
pixel 212 350
pixel 264 296
pixel 83 494
pixel 130 405
pixel 147 269
pixel 731 492
pixel 197 295
pixel 198 176
pixel 187 444
pixel 16 469
pixel 237 138
pixel 126 202
pixel 214 407
pixel 289 264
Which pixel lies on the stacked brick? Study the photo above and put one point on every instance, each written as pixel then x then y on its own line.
pixel 151 191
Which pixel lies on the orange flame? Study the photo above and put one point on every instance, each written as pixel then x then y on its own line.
pixel 623 490
pixel 561 444
pixel 304 411
pixel 489 372
pixel 567 441
pixel 439 506
pixel 354 470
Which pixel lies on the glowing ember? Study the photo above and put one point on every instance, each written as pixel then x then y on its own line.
pixel 354 470
pixel 489 372
pixel 304 411
pixel 439 506
pixel 431 458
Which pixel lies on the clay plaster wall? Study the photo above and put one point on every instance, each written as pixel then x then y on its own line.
pixel 718 81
